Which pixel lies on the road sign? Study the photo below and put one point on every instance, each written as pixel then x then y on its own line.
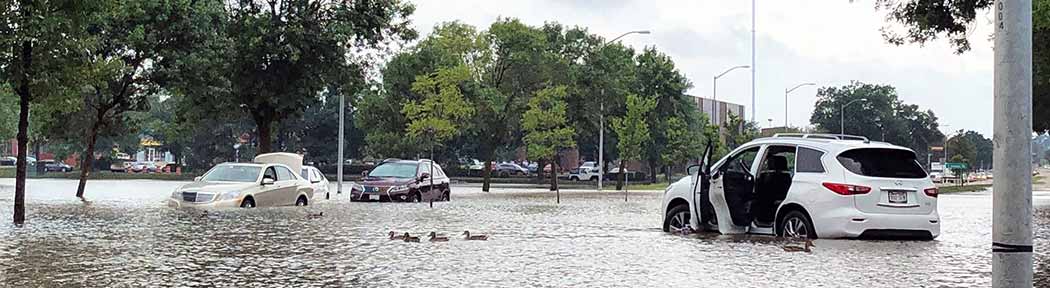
pixel 951 165
pixel 936 148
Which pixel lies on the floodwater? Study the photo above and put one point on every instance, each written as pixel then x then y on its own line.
pixel 126 236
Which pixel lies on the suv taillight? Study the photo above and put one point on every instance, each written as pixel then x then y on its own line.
pixel 847 189
pixel 932 192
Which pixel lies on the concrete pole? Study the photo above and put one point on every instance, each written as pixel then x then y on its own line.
pixel 339 168
pixel 1012 190
pixel 753 64
pixel 601 143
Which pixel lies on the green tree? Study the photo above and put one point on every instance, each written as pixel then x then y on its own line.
pixel 885 117
pixel 632 131
pixel 657 77
pixel 738 131
pixel 443 111
pixel 8 112
pixel 130 42
pixel 39 42
pixel 928 20
pixel 683 143
pixel 547 130
pixel 285 54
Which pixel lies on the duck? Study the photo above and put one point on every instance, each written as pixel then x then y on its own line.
pixel 409 238
pixel 315 216
pixel 804 248
pixel 466 235
pixel 395 236
pixel 435 238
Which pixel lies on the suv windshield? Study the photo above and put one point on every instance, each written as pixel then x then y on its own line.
pixel 233 173
pixel 881 162
pixel 396 170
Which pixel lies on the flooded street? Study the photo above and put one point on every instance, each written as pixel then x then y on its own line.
pixel 126 236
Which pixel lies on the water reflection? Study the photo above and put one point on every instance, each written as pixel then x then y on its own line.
pixel 126 237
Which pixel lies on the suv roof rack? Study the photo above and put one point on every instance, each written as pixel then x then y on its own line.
pixel 822 136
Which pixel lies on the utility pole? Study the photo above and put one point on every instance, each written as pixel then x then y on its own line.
pixel 753 66
pixel 1012 190
pixel 339 168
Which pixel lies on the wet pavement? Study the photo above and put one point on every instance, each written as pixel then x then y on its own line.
pixel 126 236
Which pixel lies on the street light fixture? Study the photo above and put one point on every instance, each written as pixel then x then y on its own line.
pixel 601 113
pixel 786 92
pixel 842 115
pixel 714 85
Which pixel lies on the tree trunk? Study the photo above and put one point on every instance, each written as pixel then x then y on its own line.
pixel 619 180
pixel 539 171
pixel 263 136
pixel 652 171
pixel 667 172
pixel 487 172
pixel 554 175
pixel 89 157
pixel 24 97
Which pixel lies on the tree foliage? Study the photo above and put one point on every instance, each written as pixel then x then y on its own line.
pixel 885 118
pixel 632 129
pixel 547 130
pixel 927 20
pixel 443 111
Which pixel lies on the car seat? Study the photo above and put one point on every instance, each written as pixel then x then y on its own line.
pixel 772 189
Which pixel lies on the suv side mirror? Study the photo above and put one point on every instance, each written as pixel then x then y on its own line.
pixel 365 173
pixel 267 181
pixel 197 179
pixel 424 176
pixel 693 169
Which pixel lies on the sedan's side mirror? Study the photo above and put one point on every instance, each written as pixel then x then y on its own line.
pixel 365 173
pixel 267 181
pixel 197 179
pixel 424 176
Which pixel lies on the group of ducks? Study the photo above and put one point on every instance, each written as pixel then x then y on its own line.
pixel 791 247
pixel 434 237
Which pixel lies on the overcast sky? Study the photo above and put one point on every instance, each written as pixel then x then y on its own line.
pixel 826 42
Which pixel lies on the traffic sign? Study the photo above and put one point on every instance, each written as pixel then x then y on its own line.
pixel 951 165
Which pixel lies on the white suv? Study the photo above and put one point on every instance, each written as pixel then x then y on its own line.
pixel 808 185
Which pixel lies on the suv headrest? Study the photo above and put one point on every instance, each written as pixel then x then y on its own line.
pixel 778 163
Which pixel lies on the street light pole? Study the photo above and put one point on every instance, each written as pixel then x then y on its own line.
pixel 786 92
pixel 842 115
pixel 1012 154
pixel 601 115
pixel 339 168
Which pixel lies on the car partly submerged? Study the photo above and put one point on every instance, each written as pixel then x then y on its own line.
pixel 268 181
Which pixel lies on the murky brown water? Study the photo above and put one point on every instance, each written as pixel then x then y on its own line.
pixel 127 237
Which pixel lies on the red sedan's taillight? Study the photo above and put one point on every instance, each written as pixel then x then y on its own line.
pixel 932 192
pixel 847 189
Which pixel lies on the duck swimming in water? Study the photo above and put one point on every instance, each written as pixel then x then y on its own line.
pixel 466 235
pixel 409 238
pixel 435 238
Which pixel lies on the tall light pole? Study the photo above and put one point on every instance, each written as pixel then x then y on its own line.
pixel 714 83
pixel 601 115
pixel 842 115
pixel 1012 154
pixel 753 64
pixel 786 92
pixel 339 168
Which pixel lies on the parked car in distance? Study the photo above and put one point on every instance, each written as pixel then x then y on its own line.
pixel 534 166
pixel 316 178
pixel 507 169
pixel 268 181
pixel 585 174
pixel 808 186
pixel 614 174
pixel 403 180
pixel 55 166
pixel 8 161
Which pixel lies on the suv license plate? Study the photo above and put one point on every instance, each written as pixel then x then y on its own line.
pixel 898 197
pixel 373 197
